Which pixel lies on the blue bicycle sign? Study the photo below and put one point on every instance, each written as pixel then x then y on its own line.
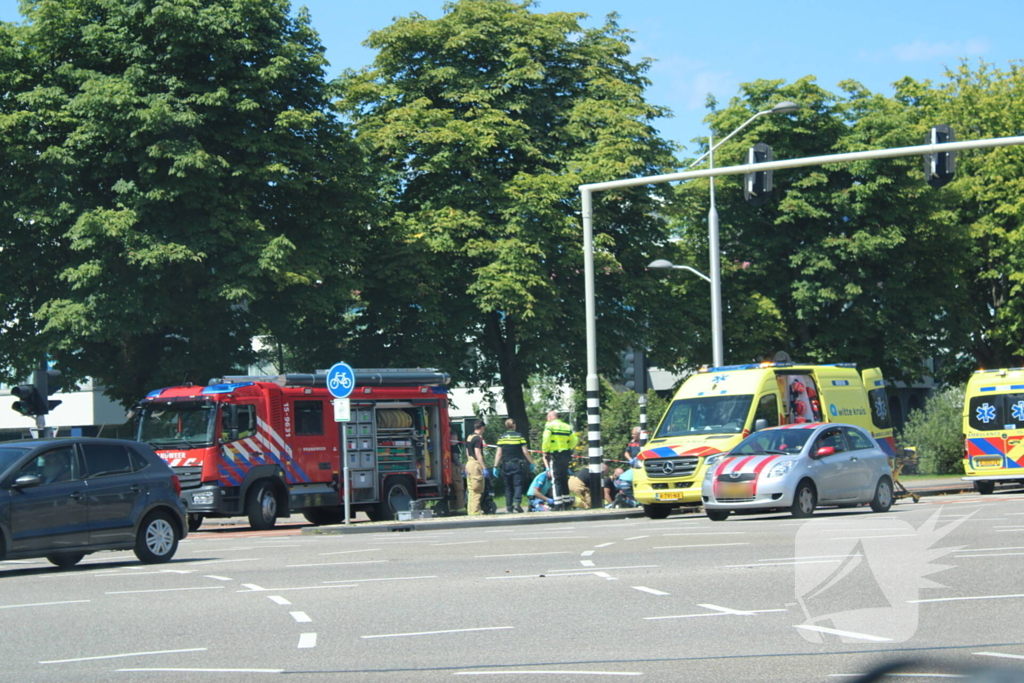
pixel 341 380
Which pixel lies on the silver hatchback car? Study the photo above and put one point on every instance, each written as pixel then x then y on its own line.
pixel 797 468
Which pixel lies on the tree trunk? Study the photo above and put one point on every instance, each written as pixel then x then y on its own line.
pixel 501 335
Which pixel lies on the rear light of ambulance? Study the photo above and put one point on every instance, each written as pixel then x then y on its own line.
pixel 176 483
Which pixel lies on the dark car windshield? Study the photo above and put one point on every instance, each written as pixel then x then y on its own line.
pixel 706 415
pixel 185 424
pixel 10 455
pixel 777 441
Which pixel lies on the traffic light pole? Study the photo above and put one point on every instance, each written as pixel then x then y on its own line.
pixel 586 209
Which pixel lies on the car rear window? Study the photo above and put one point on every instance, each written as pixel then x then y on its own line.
pixel 106 460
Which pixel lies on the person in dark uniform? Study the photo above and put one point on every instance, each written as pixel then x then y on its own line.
pixel 514 462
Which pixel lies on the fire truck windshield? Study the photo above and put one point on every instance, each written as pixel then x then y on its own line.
pixel 188 424
pixel 705 415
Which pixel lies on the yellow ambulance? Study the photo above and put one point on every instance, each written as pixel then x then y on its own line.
pixel 716 408
pixel 994 428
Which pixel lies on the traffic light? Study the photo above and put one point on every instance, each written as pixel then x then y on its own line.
pixel 47 382
pixel 939 168
pixel 757 186
pixel 29 402
pixel 634 371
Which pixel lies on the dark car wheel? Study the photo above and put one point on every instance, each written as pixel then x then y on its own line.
pixel 717 515
pixel 157 540
pixel 883 496
pixel 984 487
pixel 657 511
pixel 322 516
pixel 194 521
pixel 65 560
pixel 804 500
pixel 261 507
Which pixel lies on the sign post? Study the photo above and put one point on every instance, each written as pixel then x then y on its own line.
pixel 341 380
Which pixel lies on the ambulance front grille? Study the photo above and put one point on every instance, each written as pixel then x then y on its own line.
pixel 671 467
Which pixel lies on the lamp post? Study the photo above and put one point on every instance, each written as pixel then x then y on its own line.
pixel 717 345
pixel 662 263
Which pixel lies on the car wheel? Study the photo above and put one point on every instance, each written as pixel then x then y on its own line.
pixel 261 507
pixel 984 487
pixel 397 496
pixel 194 521
pixel 65 560
pixel 717 515
pixel 157 540
pixel 804 500
pixel 657 511
pixel 883 496
pixel 321 516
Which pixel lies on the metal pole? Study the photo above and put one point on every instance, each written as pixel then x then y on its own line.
pixel 643 420
pixel 345 474
pixel 717 345
pixel 593 381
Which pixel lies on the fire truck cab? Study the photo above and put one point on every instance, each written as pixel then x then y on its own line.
pixel 265 447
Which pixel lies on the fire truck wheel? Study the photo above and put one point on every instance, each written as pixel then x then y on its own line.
pixel 261 507
pixel 194 521
pixel 397 496
pixel 158 538
pixel 657 511
pixel 322 516
pixel 984 487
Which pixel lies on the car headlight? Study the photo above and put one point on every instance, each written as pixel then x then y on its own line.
pixel 780 469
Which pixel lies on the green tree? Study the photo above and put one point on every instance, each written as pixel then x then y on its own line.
pixel 849 262
pixel 937 432
pixel 482 124
pixel 178 184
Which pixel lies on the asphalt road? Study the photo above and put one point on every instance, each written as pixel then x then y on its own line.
pixel 758 598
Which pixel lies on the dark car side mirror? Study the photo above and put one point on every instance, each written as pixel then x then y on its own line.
pixel 26 482
pixel 823 451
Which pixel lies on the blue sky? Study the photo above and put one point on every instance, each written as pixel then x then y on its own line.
pixel 704 46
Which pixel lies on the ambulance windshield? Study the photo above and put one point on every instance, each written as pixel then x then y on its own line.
pixel 185 424
pixel 706 415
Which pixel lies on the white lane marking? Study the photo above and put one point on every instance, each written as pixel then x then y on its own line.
pixel 587 563
pixel 548 538
pixel 603 575
pixel 981 550
pixel 279 600
pixel 990 555
pixel 652 591
pixel 637 538
pixel 218 578
pixel 726 610
pixel 780 564
pixel 431 633
pixel 1009 531
pixel 126 654
pixel 300 617
pixel 699 545
pixel 393 578
pixel 176 571
pixel 807 557
pixel 272 544
pixel 708 533
pixel 346 552
pixel 854 538
pixel 729 613
pixel 252 587
pixel 462 543
pixel 195 563
pixel 844 634
pixel 998 654
pixel 974 597
pixel 586 553
pixel 635 566
pixel 166 590
pixel 605 545
pixel 554 673
pixel 149 573
pixel 257 589
pixel 334 564
pixel 43 604
pixel 524 554
pixel 207 671
pixel 307 640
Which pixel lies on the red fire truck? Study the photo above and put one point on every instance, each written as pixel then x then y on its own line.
pixel 265 447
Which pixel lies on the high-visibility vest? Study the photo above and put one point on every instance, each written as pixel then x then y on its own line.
pixel 511 444
pixel 558 436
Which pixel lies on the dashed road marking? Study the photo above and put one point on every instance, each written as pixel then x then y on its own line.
pixel 844 634
pixel 300 617
pixel 279 600
pixel 307 640
pixel 126 654
pixel 652 591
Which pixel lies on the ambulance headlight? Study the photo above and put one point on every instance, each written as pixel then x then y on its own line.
pixel 780 469
pixel 202 498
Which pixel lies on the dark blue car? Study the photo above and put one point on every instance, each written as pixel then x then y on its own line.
pixel 64 498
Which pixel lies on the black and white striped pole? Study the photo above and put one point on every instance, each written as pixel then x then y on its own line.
pixel 593 380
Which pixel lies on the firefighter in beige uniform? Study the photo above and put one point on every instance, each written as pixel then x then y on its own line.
pixel 475 468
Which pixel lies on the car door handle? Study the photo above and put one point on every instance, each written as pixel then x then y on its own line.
pixel 853 458
pixel 135 488
pixel 76 495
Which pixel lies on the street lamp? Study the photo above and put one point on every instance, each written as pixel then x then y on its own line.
pixel 662 263
pixel 717 345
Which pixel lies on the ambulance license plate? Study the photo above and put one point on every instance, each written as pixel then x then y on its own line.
pixel 988 462
pixel 734 490
pixel 672 495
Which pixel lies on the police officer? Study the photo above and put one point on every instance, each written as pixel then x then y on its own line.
pixel 513 461
pixel 557 444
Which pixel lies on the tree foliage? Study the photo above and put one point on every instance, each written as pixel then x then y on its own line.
pixel 176 184
pixel 937 433
pixel 482 124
